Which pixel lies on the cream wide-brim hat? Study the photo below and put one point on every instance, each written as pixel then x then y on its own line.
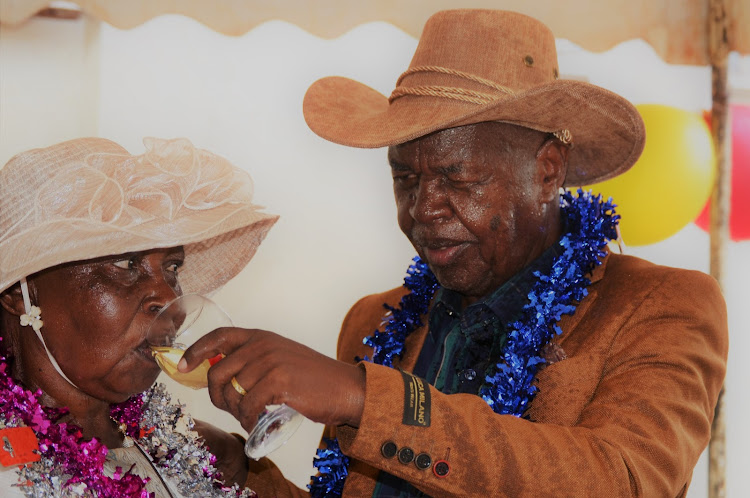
pixel 472 66
pixel 88 198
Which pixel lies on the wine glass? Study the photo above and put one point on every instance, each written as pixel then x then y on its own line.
pixel 176 327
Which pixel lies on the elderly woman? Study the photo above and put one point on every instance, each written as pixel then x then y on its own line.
pixel 93 243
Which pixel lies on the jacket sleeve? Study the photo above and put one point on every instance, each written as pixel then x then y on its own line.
pixel 264 477
pixel 636 397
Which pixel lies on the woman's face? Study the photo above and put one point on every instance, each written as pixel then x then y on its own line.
pixel 96 314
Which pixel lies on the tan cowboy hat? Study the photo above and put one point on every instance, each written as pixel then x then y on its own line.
pixel 484 65
pixel 88 198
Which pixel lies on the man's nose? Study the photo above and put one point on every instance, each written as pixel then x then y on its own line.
pixel 429 201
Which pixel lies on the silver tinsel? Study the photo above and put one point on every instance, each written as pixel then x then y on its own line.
pixel 176 451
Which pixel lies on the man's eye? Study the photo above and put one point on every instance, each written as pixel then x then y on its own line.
pixel 174 267
pixel 125 264
pixel 404 178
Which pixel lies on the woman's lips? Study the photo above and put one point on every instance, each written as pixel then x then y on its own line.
pixel 145 351
pixel 444 254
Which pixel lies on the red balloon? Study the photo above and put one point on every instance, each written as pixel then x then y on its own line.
pixel 739 208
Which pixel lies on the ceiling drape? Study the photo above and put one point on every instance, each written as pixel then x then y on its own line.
pixel 676 29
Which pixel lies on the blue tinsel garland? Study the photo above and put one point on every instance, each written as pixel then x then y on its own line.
pixel 591 223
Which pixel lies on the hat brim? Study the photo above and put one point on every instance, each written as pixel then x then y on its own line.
pixel 213 262
pixel 608 132
pixel 214 253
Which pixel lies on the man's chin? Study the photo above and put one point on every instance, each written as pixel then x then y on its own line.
pixel 449 278
pixel 470 280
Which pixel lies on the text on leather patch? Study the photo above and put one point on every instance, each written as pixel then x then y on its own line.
pixel 416 401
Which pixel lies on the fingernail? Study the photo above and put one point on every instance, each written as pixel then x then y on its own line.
pixel 182 365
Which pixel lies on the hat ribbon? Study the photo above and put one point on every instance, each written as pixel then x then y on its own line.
pixel 457 93
pixel 447 91
pixel 32 317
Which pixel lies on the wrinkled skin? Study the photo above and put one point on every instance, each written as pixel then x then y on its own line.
pixel 96 314
pixel 475 207
pixel 476 210
pixel 274 370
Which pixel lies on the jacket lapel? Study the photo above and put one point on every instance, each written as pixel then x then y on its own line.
pixel 565 386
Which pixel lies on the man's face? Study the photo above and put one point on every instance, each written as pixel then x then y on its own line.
pixel 470 201
pixel 96 313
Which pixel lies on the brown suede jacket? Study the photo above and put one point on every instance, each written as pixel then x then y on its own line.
pixel 626 413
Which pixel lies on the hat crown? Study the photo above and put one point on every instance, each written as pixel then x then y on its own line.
pixel 510 49
pixel 95 181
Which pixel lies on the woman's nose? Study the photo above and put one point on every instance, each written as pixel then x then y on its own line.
pixel 161 290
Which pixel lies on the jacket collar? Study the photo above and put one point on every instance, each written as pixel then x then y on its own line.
pixel 415 340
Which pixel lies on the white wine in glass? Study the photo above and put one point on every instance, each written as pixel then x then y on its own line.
pixel 176 327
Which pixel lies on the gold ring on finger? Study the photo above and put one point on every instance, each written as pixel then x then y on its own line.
pixel 238 387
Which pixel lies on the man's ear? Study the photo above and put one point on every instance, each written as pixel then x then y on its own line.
pixel 552 164
pixel 11 300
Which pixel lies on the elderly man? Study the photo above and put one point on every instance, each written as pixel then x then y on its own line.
pixel 520 358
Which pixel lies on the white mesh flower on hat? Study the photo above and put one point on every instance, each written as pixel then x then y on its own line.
pixel 88 198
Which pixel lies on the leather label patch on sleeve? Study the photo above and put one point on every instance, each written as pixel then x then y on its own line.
pixel 416 401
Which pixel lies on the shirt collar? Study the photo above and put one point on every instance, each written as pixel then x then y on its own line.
pixel 508 299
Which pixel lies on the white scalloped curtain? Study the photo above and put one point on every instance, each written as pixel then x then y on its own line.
pixel 676 29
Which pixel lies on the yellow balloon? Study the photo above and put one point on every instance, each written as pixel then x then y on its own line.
pixel 671 182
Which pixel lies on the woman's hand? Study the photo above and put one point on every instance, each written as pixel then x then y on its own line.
pixel 274 370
